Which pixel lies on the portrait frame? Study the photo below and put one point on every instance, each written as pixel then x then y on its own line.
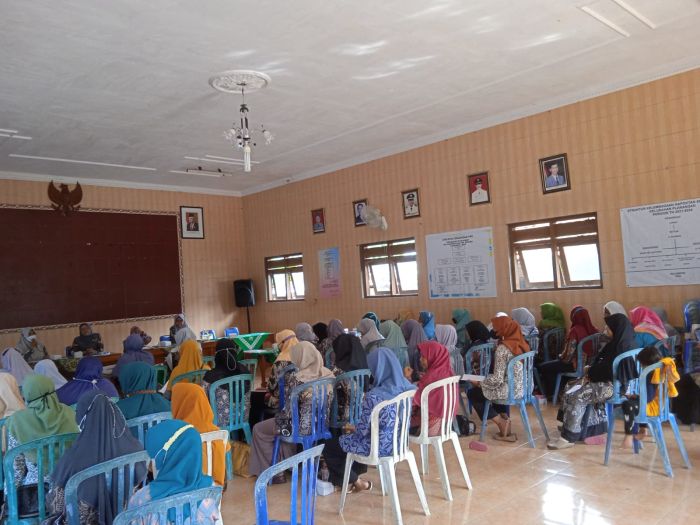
pixel 191 229
pixel 359 221
pixel 407 213
pixel 318 227
pixel 562 164
pixel 476 199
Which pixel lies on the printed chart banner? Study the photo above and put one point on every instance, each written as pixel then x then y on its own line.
pixel 329 269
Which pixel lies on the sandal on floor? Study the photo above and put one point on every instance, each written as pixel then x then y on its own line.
pixel 352 489
pixel 510 438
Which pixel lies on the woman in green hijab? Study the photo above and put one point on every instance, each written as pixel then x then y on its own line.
pixel 552 317
pixel 394 340
pixel 461 318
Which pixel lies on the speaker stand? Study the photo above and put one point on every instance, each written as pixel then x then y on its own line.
pixel 247 312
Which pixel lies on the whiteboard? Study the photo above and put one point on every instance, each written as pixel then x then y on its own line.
pixel 662 243
pixel 460 264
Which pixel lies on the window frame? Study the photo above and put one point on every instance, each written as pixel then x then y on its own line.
pixel 290 291
pixel 393 257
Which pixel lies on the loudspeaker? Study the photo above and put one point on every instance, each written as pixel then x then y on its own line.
pixel 244 292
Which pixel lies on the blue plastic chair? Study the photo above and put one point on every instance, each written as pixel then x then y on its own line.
pixel 121 469
pixel 533 341
pixel 3 447
pixel 252 366
pixel 319 398
pixel 140 425
pixel 485 354
pixel 552 343
pixel 195 376
pixel 618 396
pixel 280 383
pixel 48 451
pixel 528 362
pixel 208 359
pixel 356 382
pixel 230 332
pixel 667 346
pixel 166 507
pixel 580 362
pixel 162 373
pixel 307 462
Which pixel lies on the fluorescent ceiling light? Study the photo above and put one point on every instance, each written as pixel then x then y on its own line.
pixel 203 173
pixel 21 137
pixel 208 157
pixel 639 16
pixel 234 162
pixel 8 131
pixel 73 161
pixel 612 25
pixel 5 135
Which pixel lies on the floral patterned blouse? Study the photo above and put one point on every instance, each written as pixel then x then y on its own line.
pixel 359 441
pixel 222 404
pixel 495 385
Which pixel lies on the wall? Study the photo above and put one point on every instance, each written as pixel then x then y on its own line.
pixel 209 266
pixel 633 147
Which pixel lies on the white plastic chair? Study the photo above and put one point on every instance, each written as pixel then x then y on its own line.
pixel 207 439
pixel 387 464
pixel 450 391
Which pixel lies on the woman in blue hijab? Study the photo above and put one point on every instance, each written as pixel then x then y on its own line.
pixel 138 382
pixel 88 376
pixel 389 382
pixel 133 352
pixel 427 320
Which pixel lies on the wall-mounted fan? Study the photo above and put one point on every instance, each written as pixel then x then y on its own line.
pixel 374 218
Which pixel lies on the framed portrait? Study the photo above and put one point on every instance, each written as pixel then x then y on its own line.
pixel 479 188
pixel 191 222
pixel 318 221
pixel 554 172
pixel 411 205
pixel 358 208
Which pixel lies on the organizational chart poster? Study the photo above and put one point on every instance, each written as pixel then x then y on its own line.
pixel 662 243
pixel 460 264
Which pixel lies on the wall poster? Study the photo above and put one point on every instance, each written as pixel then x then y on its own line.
pixel 329 273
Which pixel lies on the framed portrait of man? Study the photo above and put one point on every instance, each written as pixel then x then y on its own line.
pixel 318 220
pixel 358 208
pixel 554 172
pixel 479 188
pixel 191 222
pixel 411 205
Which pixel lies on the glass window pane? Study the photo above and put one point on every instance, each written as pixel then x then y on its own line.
pixel 538 264
pixel 582 261
pixel 298 280
pixel 382 279
pixel 280 289
pixel 408 276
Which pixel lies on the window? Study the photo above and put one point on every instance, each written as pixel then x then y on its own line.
pixel 554 254
pixel 285 277
pixel 389 268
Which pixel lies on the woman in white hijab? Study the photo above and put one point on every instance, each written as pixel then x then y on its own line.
pixel 446 335
pixel 526 320
pixel 371 337
pixel 47 368
pixel 304 332
pixel 13 363
pixel 29 346
pixel 10 399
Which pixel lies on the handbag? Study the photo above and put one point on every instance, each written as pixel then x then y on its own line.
pixel 240 453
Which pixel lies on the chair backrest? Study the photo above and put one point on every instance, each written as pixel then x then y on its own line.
pixel 237 387
pixel 230 332
pixel 251 365
pixel 195 376
pixel 661 394
pixel 355 383
pixel 280 383
pixel 180 504
pixel 581 358
pixel 691 314
pixel 632 386
pixel 528 362
pixel 207 335
pixel 484 353
pixel 48 451
pixel 402 405
pixel 553 342
pixel 318 393
pixel 306 461
pixel 208 359
pixel 449 388
pixel 141 424
pixel 162 373
pixel 667 346
pixel 208 439
pixel 533 341
pixel 121 470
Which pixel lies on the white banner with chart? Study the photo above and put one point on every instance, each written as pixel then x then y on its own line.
pixel 460 264
pixel 662 243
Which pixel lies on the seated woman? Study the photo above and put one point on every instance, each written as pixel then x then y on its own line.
pixel 133 352
pixel 394 340
pixel 335 328
pixel 321 331
pixel 597 384
pixel 46 367
pixel 373 317
pixel 309 367
pixel 29 346
pixel 461 318
pixel 176 449
pixel 581 326
pixel 225 365
pixel 349 356
pixel 10 397
pixel 135 330
pixel 88 342
pixel 138 382
pixel 435 360
pixel 88 376
pixel 103 436
pixel 304 332
pixel 284 340
pixel 526 320
pixel 427 321
pixel 44 416
pixel 404 315
pixel 649 329
pixel 414 335
pixel 552 317
pixel 14 363
pixel 495 385
pixel 179 322
pixel 190 360
pixel 370 336
pixel 446 335
pixel 389 382
pixel 190 404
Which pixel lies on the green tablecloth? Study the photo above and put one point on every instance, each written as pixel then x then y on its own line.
pixel 251 341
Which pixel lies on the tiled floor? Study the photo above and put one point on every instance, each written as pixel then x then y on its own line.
pixel 514 484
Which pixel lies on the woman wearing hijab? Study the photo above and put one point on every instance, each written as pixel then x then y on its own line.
pixel 225 365
pixel 405 315
pixel 648 327
pixel 460 318
pixel 389 382
pixel 435 360
pixel 103 436
pixel 394 340
pixel 309 367
pixel 349 356
pixel 15 364
pixel 495 386
pixel 141 398
pixel 446 335
pixel 88 342
pixel 190 404
pixel 46 367
pixel 44 416
pixel 581 326
pixel 414 335
pixel 179 322
pixel 370 336
pixel 526 320
pixel 178 469
pixel 29 346
pixel 321 331
pixel 304 332
pixel 88 376
pixel 373 317
pixel 597 386
pixel 427 321
pixel 133 352
pixel 190 360
pixel 477 334
pixel 552 317
pixel 10 398
pixel 284 340
pixel 613 307
pixel 335 328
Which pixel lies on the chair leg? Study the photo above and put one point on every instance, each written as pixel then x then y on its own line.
pixel 275 451
pixel 655 423
pixel 442 468
pixel 460 459
pixel 609 408
pixel 538 381
pixel 526 423
pixel 424 460
pixel 536 405
pixel 487 405
pixel 346 482
pixel 466 407
pixel 229 465
pixel 247 434
pixel 416 480
pixel 555 395
pixel 679 440
pixel 390 472
pixel 382 478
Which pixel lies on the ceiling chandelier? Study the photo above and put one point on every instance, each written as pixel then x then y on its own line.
pixel 240 134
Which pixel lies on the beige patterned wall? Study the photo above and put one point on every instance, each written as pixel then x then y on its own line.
pixel 637 146
pixel 209 265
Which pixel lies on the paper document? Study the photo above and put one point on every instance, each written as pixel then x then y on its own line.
pixel 574 388
pixel 473 378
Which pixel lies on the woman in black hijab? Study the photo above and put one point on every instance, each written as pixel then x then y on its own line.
pixel 321 331
pixel 225 365
pixel 349 353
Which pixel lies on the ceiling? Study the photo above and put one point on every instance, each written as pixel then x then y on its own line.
pixel 125 83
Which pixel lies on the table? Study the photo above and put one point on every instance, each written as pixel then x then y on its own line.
pixel 67 365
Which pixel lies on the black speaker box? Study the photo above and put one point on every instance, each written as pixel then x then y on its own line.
pixel 244 292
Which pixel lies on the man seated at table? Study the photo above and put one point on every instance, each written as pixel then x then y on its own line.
pixel 88 342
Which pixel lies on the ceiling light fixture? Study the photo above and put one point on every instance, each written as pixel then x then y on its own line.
pixel 218 172
pixel 639 16
pixel 8 131
pixel 220 160
pixel 13 134
pixel 73 161
pixel 612 25
pixel 242 81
